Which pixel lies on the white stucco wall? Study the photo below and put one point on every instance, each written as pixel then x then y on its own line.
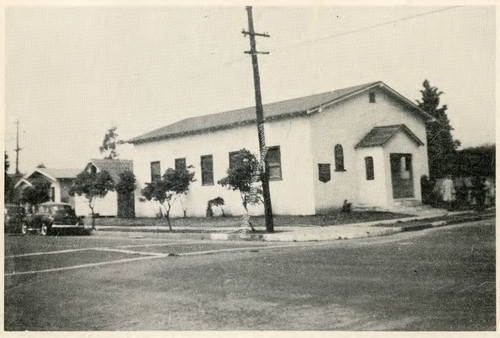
pixel 346 123
pixel 372 192
pixel 293 194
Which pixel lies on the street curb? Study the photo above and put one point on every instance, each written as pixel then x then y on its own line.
pixel 305 235
pixel 465 219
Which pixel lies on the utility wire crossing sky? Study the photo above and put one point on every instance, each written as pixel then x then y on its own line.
pixel 74 72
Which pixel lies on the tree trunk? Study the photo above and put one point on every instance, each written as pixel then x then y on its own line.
pixel 167 216
pixel 93 215
pixel 246 225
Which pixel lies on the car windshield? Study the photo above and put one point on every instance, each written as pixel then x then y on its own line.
pixel 50 209
pixel 61 207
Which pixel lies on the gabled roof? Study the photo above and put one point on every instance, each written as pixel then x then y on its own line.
pixel 114 167
pixel 23 181
pixel 294 107
pixel 53 174
pixel 57 173
pixel 379 136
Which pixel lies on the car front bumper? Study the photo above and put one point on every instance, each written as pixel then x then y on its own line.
pixel 66 226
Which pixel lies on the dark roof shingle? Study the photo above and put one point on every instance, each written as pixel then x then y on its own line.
pixel 114 167
pixel 379 136
pixel 247 115
pixel 228 119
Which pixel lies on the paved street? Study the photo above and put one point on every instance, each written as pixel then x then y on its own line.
pixel 436 279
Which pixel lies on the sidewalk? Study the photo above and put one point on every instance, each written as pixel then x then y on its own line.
pixel 304 233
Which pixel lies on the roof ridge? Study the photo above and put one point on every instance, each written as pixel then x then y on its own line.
pixel 109 159
pixel 264 105
pixel 390 125
pixel 273 110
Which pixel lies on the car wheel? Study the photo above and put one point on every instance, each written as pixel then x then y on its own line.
pixel 44 230
pixel 24 229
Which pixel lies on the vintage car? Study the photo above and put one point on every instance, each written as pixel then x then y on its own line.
pixel 13 217
pixel 50 217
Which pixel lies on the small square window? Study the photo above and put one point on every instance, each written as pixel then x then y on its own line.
pixel 180 164
pixel 372 97
pixel 370 172
pixel 207 170
pixel 155 171
pixel 273 163
pixel 339 158
pixel 232 155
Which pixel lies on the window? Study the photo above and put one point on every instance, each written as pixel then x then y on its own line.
pixel 155 171
pixel 52 194
pixel 207 170
pixel 273 163
pixel 93 169
pixel 339 158
pixel 372 97
pixel 324 172
pixel 405 167
pixel 231 158
pixel 370 174
pixel 180 164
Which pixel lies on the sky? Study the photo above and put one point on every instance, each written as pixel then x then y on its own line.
pixel 71 73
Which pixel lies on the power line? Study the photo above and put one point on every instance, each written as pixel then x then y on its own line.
pixel 354 31
pixel 224 65
pixel 357 30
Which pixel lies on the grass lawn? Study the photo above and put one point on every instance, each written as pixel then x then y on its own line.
pixel 334 218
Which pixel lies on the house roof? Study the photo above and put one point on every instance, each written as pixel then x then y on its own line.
pixel 379 136
pixel 57 173
pixel 23 181
pixel 54 174
pixel 114 167
pixel 299 106
pixel 51 173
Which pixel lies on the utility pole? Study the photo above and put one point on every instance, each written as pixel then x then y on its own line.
pixel 260 120
pixel 17 150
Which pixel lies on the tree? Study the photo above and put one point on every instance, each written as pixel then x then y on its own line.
pixel 440 144
pixel 92 186
pixel 125 189
pixel 173 184
pixel 126 185
pixel 41 166
pixel 6 163
pixel 8 195
pixel 216 202
pixel 37 193
pixel 108 147
pixel 476 161
pixel 243 175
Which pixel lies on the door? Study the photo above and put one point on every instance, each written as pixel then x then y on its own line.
pixel 402 175
pixel 126 205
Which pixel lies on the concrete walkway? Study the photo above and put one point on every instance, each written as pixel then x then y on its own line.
pixel 302 233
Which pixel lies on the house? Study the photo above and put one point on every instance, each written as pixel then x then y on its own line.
pixel 113 204
pixel 364 144
pixel 60 182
